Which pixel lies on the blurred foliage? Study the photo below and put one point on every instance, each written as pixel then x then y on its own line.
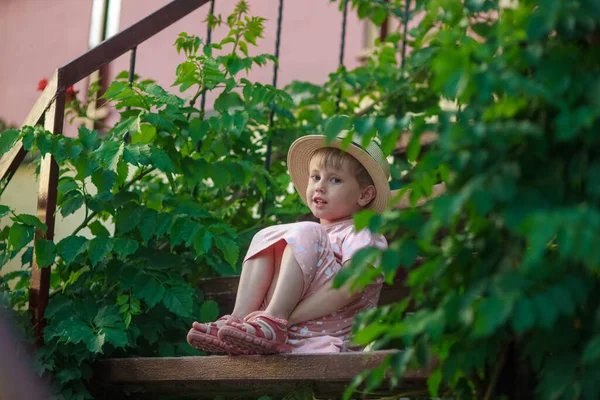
pixel 507 298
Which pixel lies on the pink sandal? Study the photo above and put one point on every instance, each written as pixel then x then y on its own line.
pixel 204 337
pixel 260 333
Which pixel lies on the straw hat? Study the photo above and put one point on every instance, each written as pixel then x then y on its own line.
pixel 371 158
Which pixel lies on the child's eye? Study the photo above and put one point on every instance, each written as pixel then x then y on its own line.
pixel 336 180
pixel 315 178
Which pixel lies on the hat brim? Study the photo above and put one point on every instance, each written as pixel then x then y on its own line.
pixel 302 150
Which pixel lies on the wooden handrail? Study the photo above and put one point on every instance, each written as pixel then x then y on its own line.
pixel 10 161
pixel 126 40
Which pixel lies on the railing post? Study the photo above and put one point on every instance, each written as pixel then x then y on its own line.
pixel 39 287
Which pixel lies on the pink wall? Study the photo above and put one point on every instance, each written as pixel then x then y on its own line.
pixel 309 48
pixel 35 40
pixel 36 37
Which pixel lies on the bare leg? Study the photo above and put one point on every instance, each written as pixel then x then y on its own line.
pixel 289 287
pixel 257 274
pixel 279 247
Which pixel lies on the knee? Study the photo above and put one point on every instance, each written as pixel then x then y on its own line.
pixel 313 230
pixel 310 226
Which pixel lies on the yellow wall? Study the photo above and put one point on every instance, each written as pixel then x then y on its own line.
pixel 21 196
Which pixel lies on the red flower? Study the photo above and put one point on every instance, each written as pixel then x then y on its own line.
pixel 42 84
pixel 70 94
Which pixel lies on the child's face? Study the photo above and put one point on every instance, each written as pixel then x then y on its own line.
pixel 334 194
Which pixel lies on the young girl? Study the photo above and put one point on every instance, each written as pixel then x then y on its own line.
pixel 285 301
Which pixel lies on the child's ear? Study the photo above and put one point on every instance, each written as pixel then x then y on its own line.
pixel 367 195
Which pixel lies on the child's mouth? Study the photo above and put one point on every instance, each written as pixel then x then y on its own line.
pixel 319 202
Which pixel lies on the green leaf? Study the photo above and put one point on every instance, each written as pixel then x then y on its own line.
pixel 378 16
pixel 492 313
pixel 523 316
pixel 19 236
pixel 146 135
pixel 71 202
pixel 183 230
pixel 203 241
pixel 179 300
pixel 8 139
pixel 27 140
pixel 45 252
pixel 243 47
pixel 104 180
pixel 229 248
pixel 147 225
pixel 364 125
pixel 98 229
pixel 67 184
pixel 385 125
pixel 336 125
pixel 162 96
pixel 70 247
pixel 109 154
pixel 44 143
pixel 545 309
pixel 125 247
pixel 128 217
pixel 68 374
pixel 4 210
pixel 363 218
pixel 98 248
pixel 198 129
pixel 161 160
pixel 74 330
pixel 27 257
pixel 115 336
pixel 115 88
pixel 414 147
pixel 591 353
pixel 228 100
pixel 31 220
pixel 148 288
pixel 209 311
pixel 88 138
pixel 370 333
pixel 95 342
pixel 163 223
pixel 129 125
pixel 433 382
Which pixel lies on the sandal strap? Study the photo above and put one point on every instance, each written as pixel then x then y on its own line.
pixel 265 326
pixel 255 314
pixel 212 328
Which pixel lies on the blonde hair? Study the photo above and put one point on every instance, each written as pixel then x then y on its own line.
pixel 335 158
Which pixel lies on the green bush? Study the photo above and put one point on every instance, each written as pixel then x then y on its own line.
pixel 507 299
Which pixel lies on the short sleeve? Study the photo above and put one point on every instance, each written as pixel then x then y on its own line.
pixel 359 240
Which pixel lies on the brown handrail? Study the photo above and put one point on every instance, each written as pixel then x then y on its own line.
pixel 116 46
pixel 51 106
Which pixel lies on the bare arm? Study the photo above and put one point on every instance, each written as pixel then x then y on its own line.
pixel 322 302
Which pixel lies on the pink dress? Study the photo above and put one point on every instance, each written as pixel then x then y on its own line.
pixel 321 250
